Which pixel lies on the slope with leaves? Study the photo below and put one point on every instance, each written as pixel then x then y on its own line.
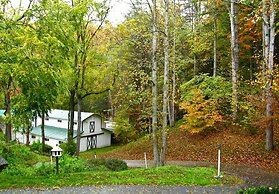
pixel 237 147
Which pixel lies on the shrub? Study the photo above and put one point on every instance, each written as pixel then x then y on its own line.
pixel 259 190
pixel 18 170
pixel 45 169
pixel 206 100
pixel 70 164
pixel 201 114
pixel 116 164
pixel 15 153
pixel 37 146
pixel 2 135
pixel 69 148
pixel 97 164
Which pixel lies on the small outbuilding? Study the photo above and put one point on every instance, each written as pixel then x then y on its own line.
pixel 3 163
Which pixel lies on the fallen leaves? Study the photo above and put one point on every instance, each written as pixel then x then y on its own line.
pixel 240 149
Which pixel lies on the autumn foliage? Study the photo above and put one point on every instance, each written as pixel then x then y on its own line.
pixel 201 114
pixel 206 102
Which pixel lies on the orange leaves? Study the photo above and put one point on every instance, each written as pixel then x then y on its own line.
pixel 201 114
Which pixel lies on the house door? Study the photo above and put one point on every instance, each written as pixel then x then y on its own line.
pixel 91 142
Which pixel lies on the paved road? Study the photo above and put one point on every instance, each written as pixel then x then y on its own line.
pixel 123 189
pixel 252 176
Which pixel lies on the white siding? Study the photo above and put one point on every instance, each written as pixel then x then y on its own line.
pixel 83 144
pixel 104 140
pixel 98 124
pixel 22 139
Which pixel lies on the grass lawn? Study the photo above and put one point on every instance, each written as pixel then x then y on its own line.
pixel 167 175
pixel 91 153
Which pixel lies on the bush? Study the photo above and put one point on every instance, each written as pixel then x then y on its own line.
pixel 45 169
pixel 18 170
pixel 70 164
pixel 97 164
pixel 206 102
pixel 116 164
pixel 2 135
pixel 259 190
pixel 37 146
pixel 15 154
pixel 69 148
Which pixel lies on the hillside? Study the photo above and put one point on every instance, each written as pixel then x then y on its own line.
pixel 236 148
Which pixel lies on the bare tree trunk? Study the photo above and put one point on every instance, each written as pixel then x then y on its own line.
pixel 71 117
pixel 154 84
pixel 28 134
pixel 234 54
pixel 166 85
pixel 111 114
pixel 172 104
pixel 78 125
pixel 7 88
pixel 43 131
pixel 269 36
pixel 215 41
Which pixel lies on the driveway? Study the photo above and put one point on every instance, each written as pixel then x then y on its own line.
pixel 134 189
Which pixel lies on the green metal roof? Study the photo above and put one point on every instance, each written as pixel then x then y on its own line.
pixel 108 130
pixel 52 132
pixel 2 113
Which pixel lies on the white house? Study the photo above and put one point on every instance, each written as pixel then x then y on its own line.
pixel 94 133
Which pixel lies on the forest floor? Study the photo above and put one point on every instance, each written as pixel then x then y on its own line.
pixel 238 147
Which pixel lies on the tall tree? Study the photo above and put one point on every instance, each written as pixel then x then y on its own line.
pixel 174 71
pixel 234 54
pixel 214 40
pixel 154 83
pixel 166 85
pixel 11 26
pixel 268 50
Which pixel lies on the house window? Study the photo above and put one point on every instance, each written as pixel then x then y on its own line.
pixel 60 142
pixel 33 136
pixel 92 126
pixel 59 121
pixel 46 139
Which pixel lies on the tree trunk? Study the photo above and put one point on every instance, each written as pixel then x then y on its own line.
pixel 172 104
pixel 79 125
pixel 8 131
pixel 154 84
pixel 111 112
pixel 268 50
pixel 43 131
pixel 215 41
pixel 166 86
pixel 28 134
pixel 234 54
pixel 71 117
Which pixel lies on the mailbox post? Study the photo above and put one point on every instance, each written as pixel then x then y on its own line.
pixel 56 152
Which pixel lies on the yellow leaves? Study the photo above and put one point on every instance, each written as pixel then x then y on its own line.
pixel 201 114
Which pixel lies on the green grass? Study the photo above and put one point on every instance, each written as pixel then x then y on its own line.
pixel 167 175
pixel 91 153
